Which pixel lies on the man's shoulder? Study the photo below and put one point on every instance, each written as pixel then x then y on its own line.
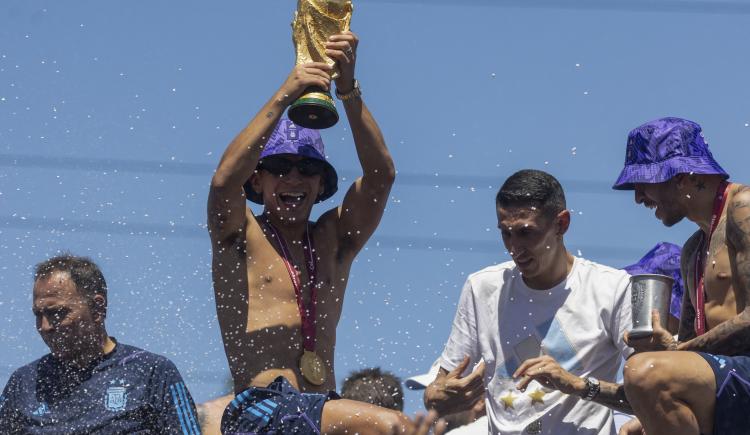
pixel 30 371
pixel 132 355
pixel 493 272
pixel 592 270
pixel 739 198
pixel 492 278
pixel 691 244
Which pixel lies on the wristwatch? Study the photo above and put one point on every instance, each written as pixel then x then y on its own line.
pixel 356 92
pixel 592 388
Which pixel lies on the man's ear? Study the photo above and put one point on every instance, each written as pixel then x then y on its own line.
pixel 255 182
pixel 99 307
pixel 563 222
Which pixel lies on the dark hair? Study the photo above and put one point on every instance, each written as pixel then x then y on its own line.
pixel 374 386
pixel 532 188
pixel 84 273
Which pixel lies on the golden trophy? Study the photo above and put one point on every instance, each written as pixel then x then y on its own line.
pixel 314 21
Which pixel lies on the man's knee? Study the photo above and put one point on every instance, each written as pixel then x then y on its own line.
pixel 394 423
pixel 647 374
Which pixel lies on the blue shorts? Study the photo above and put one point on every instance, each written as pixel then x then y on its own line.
pixel 277 409
pixel 731 413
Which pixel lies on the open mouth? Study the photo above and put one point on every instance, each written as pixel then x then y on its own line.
pixel 523 262
pixel 652 206
pixel 292 199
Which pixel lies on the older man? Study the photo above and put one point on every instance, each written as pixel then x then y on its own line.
pixel 90 383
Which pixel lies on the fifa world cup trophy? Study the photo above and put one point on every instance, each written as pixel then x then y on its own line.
pixel 314 21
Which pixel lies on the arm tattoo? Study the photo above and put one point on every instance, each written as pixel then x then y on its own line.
pixel 269 115
pixel 613 396
pixel 733 336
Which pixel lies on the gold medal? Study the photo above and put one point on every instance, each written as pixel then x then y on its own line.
pixel 312 367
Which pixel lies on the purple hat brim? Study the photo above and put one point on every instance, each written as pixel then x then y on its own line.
pixel 660 172
pixel 330 186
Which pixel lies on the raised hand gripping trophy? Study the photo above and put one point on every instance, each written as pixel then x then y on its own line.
pixel 314 21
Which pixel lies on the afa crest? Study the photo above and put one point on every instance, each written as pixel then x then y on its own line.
pixel 42 410
pixel 116 398
pixel 291 132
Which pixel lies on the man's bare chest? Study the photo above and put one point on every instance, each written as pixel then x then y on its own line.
pixel 271 284
pixel 714 267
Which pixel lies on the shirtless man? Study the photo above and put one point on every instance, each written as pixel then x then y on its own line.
pixel 279 279
pixel 701 383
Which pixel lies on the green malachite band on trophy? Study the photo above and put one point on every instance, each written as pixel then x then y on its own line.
pixel 318 95
pixel 314 109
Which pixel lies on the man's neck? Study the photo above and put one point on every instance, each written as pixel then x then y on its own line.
pixel 86 356
pixel 558 271
pixel 701 199
pixel 290 231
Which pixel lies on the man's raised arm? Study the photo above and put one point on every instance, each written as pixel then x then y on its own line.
pixel 360 213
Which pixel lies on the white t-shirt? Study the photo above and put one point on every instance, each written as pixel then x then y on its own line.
pixel 479 426
pixel 580 323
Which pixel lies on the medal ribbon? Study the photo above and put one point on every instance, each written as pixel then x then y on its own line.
pixel 699 272
pixel 306 314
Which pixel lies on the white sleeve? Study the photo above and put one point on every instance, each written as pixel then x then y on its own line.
pixel 463 340
pixel 621 318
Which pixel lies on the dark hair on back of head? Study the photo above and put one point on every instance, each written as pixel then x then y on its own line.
pixel 532 188
pixel 371 385
pixel 84 273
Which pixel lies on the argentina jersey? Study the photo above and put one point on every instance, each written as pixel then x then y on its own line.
pixel 128 391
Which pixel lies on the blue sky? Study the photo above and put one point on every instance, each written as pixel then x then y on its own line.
pixel 113 116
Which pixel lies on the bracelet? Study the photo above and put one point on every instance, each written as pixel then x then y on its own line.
pixel 356 92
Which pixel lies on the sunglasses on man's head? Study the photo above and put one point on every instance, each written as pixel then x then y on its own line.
pixel 281 166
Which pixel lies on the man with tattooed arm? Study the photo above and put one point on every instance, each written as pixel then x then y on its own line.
pixel 701 382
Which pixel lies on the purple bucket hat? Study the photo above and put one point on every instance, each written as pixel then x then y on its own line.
pixel 289 138
pixel 664 259
pixel 660 149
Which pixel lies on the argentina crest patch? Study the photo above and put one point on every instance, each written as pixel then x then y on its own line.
pixel 116 398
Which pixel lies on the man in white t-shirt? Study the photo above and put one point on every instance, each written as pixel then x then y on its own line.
pixel 539 330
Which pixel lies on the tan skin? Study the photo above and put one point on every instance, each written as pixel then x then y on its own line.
pixel 210 413
pixel 429 421
pixel 687 391
pixel 255 298
pixel 535 243
pixel 70 325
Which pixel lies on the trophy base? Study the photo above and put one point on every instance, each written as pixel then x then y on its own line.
pixel 314 109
